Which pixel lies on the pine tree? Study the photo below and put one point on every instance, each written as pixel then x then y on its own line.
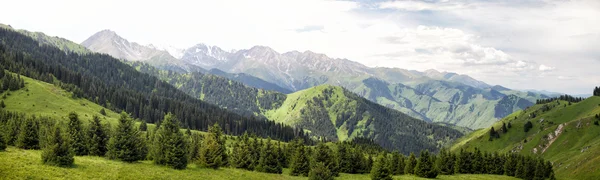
pixel 126 144
pixel 510 164
pixel 242 156
pixel 401 165
pixel 103 112
pixel 218 134
pixel 194 144
pixel 410 164
pixel 170 144
pixel 463 163
pixel 2 105
pixel 300 165
pixel 493 134
pixel 143 126
pixel 520 168
pixel 58 152
pixel 77 135
pixel 445 162
pixel 504 129
pixel 320 172
pixel 478 162
pixel 343 158
pixel 325 155
pixel 394 162
pixel 268 161
pixel 210 154
pixel 380 170
pixel 2 142
pixel 28 134
pixel 425 167
pixel 540 170
pixel 98 137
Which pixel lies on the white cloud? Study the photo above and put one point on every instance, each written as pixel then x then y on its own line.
pixel 545 68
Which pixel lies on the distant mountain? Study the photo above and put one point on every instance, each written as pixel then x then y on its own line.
pixel 431 95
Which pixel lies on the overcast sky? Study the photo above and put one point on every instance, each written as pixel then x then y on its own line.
pixel 523 44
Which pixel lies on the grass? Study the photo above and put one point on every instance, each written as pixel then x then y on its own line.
pixel 26 164
pixel 576 151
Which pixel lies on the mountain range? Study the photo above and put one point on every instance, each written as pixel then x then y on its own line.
pixel 431 95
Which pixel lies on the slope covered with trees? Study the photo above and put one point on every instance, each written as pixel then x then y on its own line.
pixel 117 86
pixel 564 131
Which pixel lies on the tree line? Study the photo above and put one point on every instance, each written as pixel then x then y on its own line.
pixel 117 86
pixel 169 145
pixel 565 97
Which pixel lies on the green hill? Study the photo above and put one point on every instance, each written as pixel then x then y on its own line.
pixel 563 134
pixel 338 114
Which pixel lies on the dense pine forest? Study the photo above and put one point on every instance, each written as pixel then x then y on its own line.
pixel 117 86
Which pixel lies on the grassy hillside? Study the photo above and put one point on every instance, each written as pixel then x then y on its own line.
pixel 338 114
pixel 26 164
pixel 46 99
pixel 562 133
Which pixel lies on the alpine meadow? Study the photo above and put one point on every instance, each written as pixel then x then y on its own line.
pixel 300 89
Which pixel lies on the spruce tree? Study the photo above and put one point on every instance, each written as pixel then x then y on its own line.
pixel 268 161
pixel 343 158
pixel 98 137
pixel 126 144
pixel 58 152
pixel 299 165
pixel 210 153
pixel 2 105
pixel 28 134
pixel 425 167
pixel 218 134
pixel 242 156
pixel 445 162
pixel 325 155
pixel 320 172
pixel 510 164
pixel 2 142
pixel 143 126
pixel 520 168
pixel 393 163
pixel 401 165
pixel 410 164
pixel 77 135
pixel 380 170
pixel 170 144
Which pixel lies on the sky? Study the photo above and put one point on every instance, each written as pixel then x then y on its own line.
pixel 549 45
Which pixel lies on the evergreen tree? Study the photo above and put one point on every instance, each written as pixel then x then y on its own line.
pixel 143 126
pixel 58 152
pixel 2 105
pixel 393 163
pixel 241 156
pixel 2 142
pixel 98 137
pixel 510 164
pixel 520 168
pixel 268 161
pixel 504 129
pixel 527 126
pixel 478 162
pixel 445 162
pixel 103 112
pixel 77 135
pixel 211 152
pixel 300 165
pixel 540 170
pixel 217 132
pixel 28 134
pixel 463 163
pixel 170 144
pixel 401 165
pixel 126 144
pixel 425 167
pixel 325 155
pixel 493 134
pixel 320 172
pixel 380 170
pixel 194 144
pixel 410 164
pixel 343 158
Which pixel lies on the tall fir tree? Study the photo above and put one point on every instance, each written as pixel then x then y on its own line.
pixel 409 167
pixel 393 162
pixel 510 164
pixel 343 158
pixel 218 134
pixel 58 152
pixel 29 134
pixel 99 138
pixel 211 152
pixel 325 155
pixel 425 167
pixel 520 168
pixel 171 149
pixel 268 161
pixel 401 165
pixel 77 135
pixel 241 156
pixel 445 162
pixel 300 163
pixel 380 170
pixel 126 144
pixel 319 171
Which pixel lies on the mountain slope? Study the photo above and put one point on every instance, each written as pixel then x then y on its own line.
pixel 338 114
pixel 117 86
pixel 562 133
pixel 61 43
